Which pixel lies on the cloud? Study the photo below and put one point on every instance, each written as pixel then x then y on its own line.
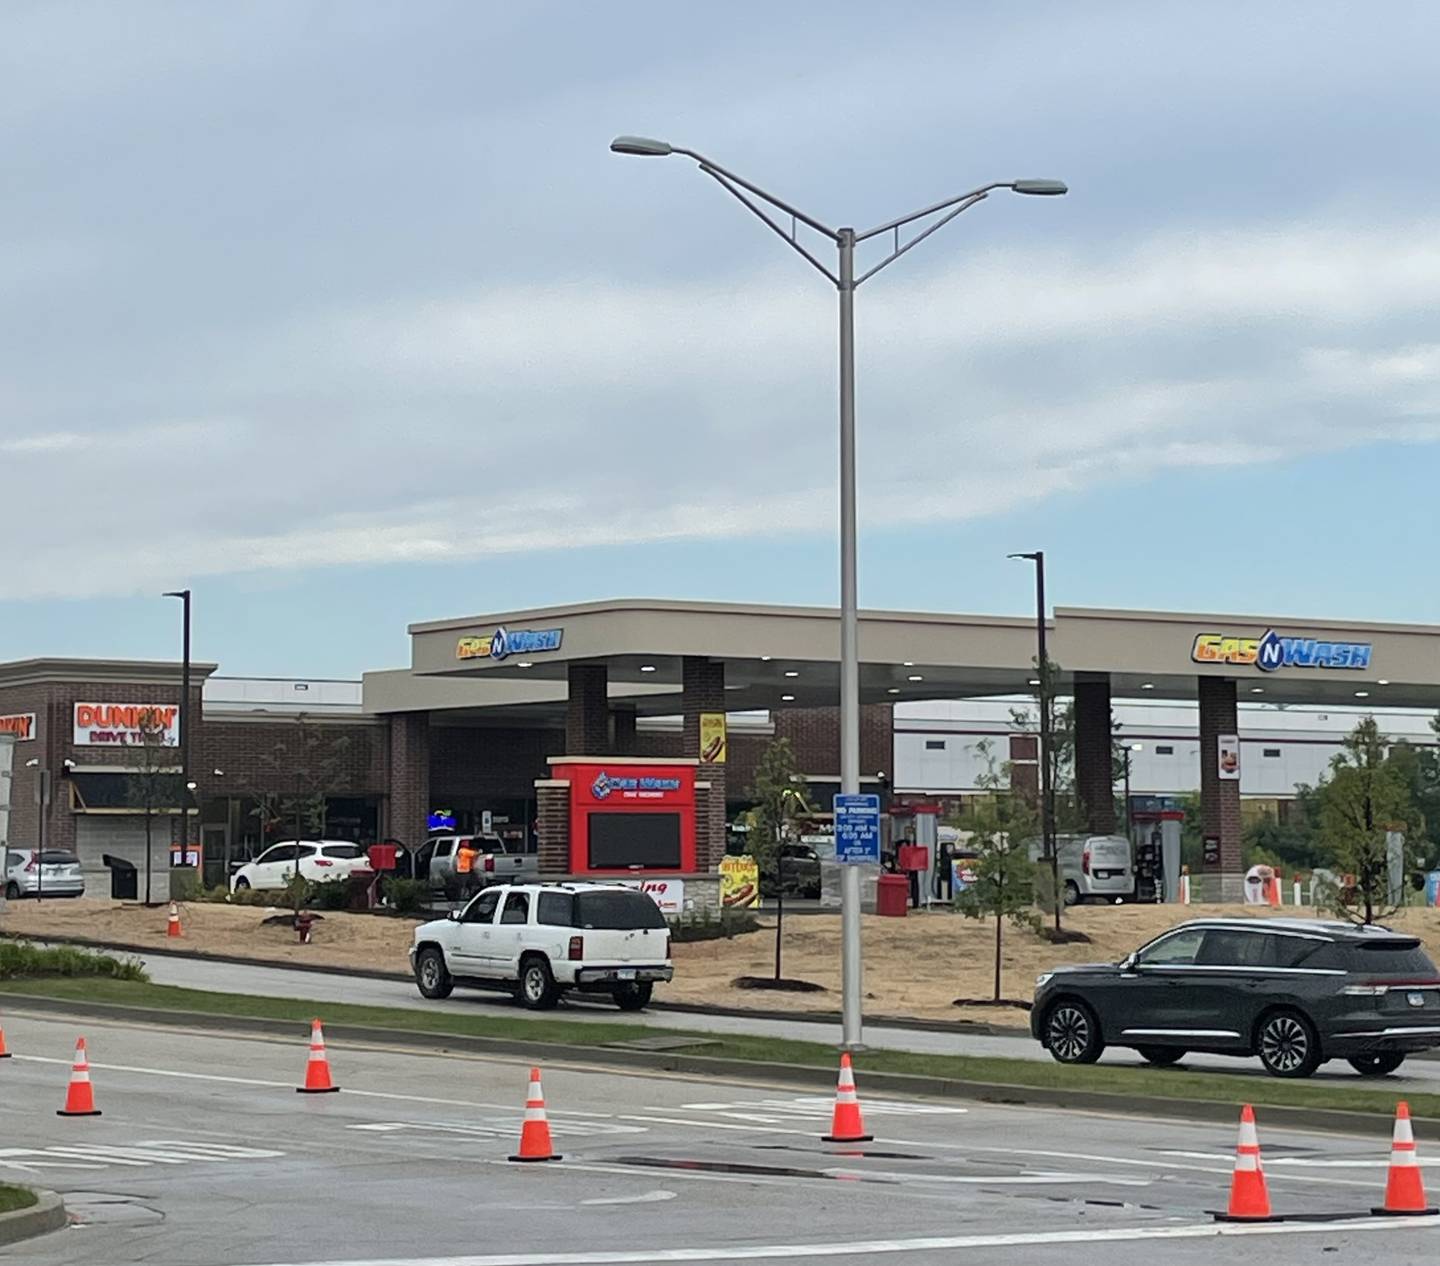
pixel 595 413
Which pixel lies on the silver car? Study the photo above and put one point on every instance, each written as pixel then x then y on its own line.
pixel 54 873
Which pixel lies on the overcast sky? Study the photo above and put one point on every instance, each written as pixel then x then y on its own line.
pixel 343 315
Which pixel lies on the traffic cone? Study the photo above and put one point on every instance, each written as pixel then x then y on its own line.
pixel 535 1133
pixel 172 928
pixel 1404 1190
pixel 317 1070
pixel 80 1097
pixel 4 1054
pixel 846 1125
pixel 1249 1197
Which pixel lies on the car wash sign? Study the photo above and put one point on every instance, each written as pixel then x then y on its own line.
pixel 1274 650
pixel 506 642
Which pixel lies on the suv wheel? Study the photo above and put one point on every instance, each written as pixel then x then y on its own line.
pixel 1380 1064
pixel 537 984
pixel 12 891
pixel 242 884
pixel 633 997
pixel 1072 893
pixel 1073 1034
pixel 1288 1045
pixel 431 975
pixel 1161 1056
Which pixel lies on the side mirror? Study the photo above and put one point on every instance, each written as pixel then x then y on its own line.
pixel 454 916
pixel 1127 963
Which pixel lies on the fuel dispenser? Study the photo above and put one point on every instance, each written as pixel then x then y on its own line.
pixel 1157 824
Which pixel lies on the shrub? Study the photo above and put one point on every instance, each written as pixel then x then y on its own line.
pixel 185 887
pixel 710 926
pixel 21 959
pixel 333 894
pixel 407 896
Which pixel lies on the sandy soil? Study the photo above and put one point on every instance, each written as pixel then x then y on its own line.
pixel 915 966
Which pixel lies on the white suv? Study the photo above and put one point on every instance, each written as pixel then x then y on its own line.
pixel 320 860
pixel 542 939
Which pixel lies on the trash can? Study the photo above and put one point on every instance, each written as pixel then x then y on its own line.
pixel 124 878
pixel 892 895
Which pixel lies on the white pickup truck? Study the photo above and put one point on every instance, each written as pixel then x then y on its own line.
pixel 538 940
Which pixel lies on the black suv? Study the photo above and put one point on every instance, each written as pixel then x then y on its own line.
pixel 1295 992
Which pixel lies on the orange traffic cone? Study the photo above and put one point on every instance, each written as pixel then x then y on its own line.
pixel 846 1125
pixel 1249 1196
pixel 1404 1190
pixel 80 1097
pixel 535 1133
pixel 4 1054
pixel 317 1070
pixel 172 928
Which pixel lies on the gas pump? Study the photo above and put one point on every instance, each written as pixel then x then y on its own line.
pixel 1158 823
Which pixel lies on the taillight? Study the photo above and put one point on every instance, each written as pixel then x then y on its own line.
pixel 323 861
pixel 577 949
pixel 490 862
pixel 665 953
pixel 1085 862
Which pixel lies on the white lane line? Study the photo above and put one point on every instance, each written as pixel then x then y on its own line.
pixel 989 1180
pixel 1313 1162
pixel 928 1244
pixel 1170 1165
pixel 645 1197
pixel 286 1085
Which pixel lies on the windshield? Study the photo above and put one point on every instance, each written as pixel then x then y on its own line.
pixel 343 851
pixel 1391 958
pixel 618 910
pixel 58 857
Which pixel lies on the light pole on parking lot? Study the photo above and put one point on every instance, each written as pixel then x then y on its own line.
pixel 845 281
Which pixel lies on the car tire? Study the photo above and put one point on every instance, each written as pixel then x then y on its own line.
pixel 537 983
pixel 1380 1064
pixel 1161 1056
pixel 1072 893
pixel 432 977
pixel 12 891
pixel 633 997
pixel 1072 1033
pixel 1288 1045
pixel 242 884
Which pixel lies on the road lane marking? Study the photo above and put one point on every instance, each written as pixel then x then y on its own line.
pixel 136 1155
pixel 1152 1164
pixel 986 1180
pixel 927 1244
pixel 1311 1162
pixel 775 1111
pixel 497 1128
pixel 645 1197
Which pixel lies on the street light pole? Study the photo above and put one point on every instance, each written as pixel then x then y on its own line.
pixel 845 240
pixel 186 784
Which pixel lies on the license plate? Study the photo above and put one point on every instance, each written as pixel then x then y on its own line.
pixel 627 973
pixel 1416 999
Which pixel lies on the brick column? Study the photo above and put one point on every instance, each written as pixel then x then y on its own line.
pixel 587 717
pixel 1219 799
pixel 552 826
pixel 703 690
pixel 622 719
pixel 409 808
pixel 1094 772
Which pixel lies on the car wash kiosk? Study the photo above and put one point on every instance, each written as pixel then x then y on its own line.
pixel 609 798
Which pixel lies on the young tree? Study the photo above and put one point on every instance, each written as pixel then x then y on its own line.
pixel 151 783
pixel 1004 888
pixel 1362 801
pixel 779 796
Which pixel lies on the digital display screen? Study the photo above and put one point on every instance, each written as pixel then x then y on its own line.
pixel 649 841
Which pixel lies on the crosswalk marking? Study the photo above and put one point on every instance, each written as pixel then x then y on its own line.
pixel 137 1155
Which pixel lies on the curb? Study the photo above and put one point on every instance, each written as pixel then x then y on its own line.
pixel 45 1215
pixel 1326 1120
pixel 960 1028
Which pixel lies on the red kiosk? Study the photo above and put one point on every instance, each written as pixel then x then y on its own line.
pixel 626 818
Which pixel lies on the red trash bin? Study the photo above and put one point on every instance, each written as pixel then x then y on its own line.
pixel 892 895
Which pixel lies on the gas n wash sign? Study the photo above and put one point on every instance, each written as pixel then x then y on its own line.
pixel 125 724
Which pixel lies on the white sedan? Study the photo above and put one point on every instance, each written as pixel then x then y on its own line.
pixel 320 860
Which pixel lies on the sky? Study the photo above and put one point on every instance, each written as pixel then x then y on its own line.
pixel 344 316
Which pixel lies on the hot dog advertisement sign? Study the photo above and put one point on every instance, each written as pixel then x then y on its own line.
pixel 712 737
pixel 740 882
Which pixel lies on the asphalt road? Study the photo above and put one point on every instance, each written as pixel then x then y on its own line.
pixel 205 1156
pixel 1416 1075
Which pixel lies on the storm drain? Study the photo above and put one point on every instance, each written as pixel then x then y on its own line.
pixel 662 1043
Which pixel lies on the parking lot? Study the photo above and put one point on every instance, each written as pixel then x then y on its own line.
pixel 205 1155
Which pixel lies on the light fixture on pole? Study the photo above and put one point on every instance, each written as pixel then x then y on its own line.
pixel 1044 695
pixel 845 281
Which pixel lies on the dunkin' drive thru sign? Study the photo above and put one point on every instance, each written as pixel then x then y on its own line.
pixel 124 724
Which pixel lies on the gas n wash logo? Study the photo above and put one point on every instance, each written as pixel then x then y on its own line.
pixel 1273 651
pixel 502 643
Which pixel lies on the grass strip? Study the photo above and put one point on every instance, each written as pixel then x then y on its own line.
pixel 15 1198
pixel 1167 1083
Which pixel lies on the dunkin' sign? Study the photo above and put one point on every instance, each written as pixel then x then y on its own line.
pixel 20 724
pixel 125 724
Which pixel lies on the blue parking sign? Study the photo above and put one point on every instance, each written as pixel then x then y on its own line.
pixel 857 829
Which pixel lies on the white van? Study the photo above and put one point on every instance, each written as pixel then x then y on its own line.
pixel 1092 867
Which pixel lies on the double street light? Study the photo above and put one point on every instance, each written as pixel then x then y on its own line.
pixel 845 281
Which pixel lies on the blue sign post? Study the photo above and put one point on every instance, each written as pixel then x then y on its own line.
pixel 857 830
